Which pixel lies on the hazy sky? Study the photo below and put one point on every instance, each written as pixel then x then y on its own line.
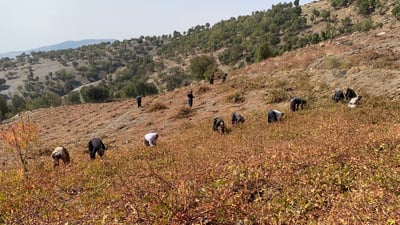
pixel 28 24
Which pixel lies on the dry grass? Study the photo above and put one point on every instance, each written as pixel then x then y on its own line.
pixel 203 88
pixel 184 112
pixel 334 165
pixel 327 164
pixel 237 97
pixel 157 106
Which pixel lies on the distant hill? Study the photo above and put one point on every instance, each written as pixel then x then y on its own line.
pixel 60 46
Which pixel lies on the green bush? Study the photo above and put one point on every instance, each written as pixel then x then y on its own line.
pixel 95 93
pixel 18 104
pixel 366 7
pixel 339 3
pixel 364 25
pixel 135 88
pixel 396 11
pixel 263 52
pixel 201 66
pixel 175 78
pixel 45 101
pixel 73 98
pixel 3 108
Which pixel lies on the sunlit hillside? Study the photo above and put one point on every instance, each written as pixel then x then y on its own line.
pixel 325 164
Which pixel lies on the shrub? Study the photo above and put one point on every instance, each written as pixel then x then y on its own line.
pixel 203 89
pixel 136 87
pixel 19 139
pixel 73 98
pixel 276 96
pixel 396 11
pixel 45 101
pixel 237 97
pixel 200 66
pixel 332 63
pixel 339 3
pixel 157 106
pixel 95 93
pixel 3 108
pixel 366 7
pixel 364 25
pixel 184 112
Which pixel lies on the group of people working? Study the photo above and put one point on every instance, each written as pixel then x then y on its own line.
pixel 96 145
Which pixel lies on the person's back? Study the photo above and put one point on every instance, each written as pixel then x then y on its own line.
pixel 295 103
pixel 212 79
pixel 237 118
pixel 96 145
pixel 139 101
pixel 274 115
pixel 190 98
pixel 224 77
pixel 150 139
pixel 338 96
pixel 60 153
pixel 350 93
pixel 219 122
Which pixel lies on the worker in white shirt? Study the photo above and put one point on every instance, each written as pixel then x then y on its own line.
pixel 150 139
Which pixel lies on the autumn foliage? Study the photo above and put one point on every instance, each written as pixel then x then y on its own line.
pixel 333 165
pixel 19 139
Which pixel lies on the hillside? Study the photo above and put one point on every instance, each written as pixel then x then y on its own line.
pixel 148 65
pixel 213 163
pixel 313 72
pixel 326 164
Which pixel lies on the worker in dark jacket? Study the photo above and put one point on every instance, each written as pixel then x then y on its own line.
pixel 237 118
pixel 190 98
pixel 295 103
pixel 224 77
pixel 349 94
pixel 212 78
pixel 139 101
pixel 96 145
pixel 338 95
pixel 219 122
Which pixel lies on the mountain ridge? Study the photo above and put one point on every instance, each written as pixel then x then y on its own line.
pixel 60 46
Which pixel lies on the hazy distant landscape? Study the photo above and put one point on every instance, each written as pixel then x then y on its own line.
pixel 55 47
